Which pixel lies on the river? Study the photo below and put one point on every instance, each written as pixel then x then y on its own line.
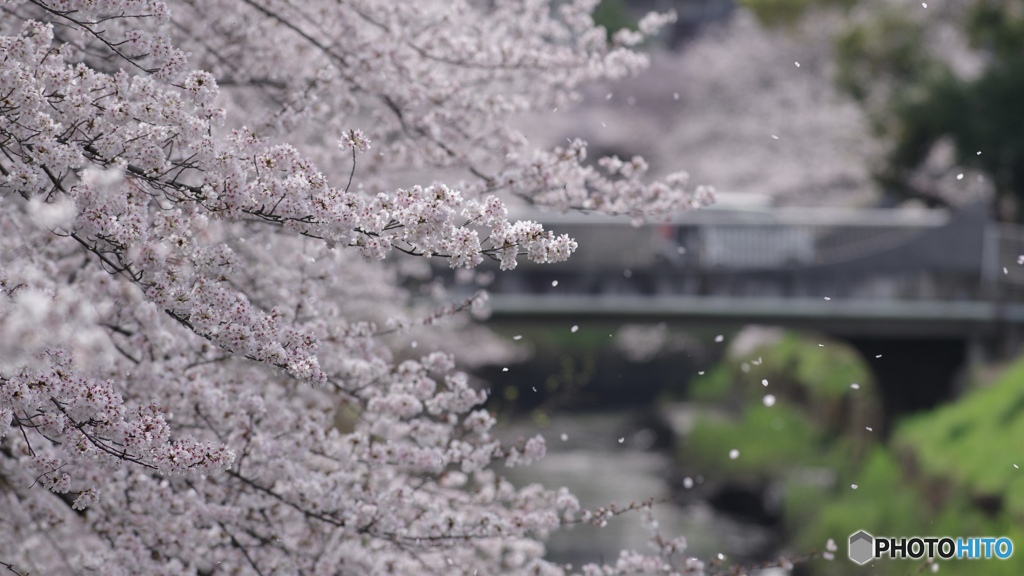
pixel 618 457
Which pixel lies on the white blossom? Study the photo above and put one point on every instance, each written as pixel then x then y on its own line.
pixel 205 348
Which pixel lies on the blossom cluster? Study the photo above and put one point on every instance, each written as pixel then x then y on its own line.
pixel 205 357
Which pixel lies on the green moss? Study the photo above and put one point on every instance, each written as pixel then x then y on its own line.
pixel 882 503
pixel 824 367
pixel 713 386
pixel 973 444
pixel 769 440
pixel 802 369
pixel 949 471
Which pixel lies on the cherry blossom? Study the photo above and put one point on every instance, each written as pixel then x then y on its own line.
pixel 208 360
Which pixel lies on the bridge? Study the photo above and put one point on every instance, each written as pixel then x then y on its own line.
pixel 925 290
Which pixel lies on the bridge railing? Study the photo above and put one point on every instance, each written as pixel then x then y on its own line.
pixel 1005 269
pixel 786 253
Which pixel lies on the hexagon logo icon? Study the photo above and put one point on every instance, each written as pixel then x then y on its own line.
pixel 861 548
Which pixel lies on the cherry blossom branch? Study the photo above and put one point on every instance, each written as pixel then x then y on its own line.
pixel 10 568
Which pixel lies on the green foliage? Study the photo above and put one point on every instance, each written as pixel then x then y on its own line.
pixel 882 503
pixel 889 61
pixel 777 12
pixel 613 15
pixel 770 441
pixel 823 367
pixel 915 99
pixel 809 378
pixel 949 472
pixel 888 49
pixel 714 385
pixel 811 370
pixel 885 503
pixel 784 13
pixel 972 445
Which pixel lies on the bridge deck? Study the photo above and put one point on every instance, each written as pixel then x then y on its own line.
pixel 840 317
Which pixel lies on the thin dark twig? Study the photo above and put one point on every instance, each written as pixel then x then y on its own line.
pixel 12 569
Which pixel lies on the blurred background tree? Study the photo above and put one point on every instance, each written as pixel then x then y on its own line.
pixel 941 85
